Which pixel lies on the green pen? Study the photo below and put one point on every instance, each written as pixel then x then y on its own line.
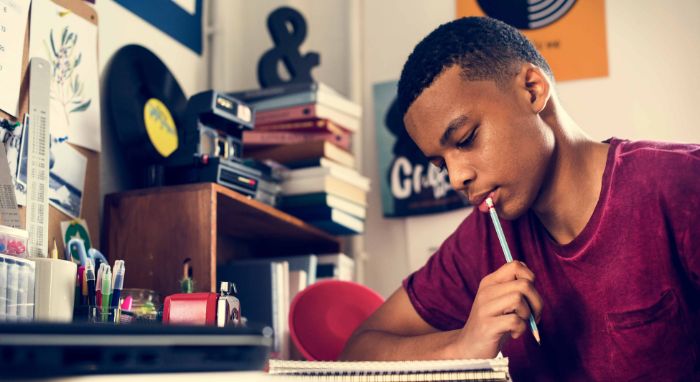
pixel 106 292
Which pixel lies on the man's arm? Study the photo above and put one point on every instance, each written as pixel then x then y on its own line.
pixel 395 331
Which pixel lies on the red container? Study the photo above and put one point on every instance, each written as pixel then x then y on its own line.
pixel 190 309
pixel 324 315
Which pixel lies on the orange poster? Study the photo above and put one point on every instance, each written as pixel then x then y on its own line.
pixel 570 34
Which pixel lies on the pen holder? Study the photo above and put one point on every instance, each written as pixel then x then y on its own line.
pixel 54 290
pixel 97 315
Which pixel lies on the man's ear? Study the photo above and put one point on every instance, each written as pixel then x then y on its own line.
pixel 536 83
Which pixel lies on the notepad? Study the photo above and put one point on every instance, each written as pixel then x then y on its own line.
pixel 446 370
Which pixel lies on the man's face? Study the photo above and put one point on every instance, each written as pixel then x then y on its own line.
pixel 489 138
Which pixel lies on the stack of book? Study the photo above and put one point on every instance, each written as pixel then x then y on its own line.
pixel 308 128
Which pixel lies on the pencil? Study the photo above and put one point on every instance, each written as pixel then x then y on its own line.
pixel 509 257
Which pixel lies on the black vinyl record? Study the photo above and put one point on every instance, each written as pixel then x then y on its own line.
pixel 136 80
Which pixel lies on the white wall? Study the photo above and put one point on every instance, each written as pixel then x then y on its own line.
pixel 119 27
pixel 653 88
pixel 242 38
pixel 652 92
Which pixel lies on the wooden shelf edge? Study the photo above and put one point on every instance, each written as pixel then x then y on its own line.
pixel 273 212
pixel 219 189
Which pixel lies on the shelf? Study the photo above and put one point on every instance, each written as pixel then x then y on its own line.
pixel 155 230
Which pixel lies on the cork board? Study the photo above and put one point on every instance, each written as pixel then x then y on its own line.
pixel 91 192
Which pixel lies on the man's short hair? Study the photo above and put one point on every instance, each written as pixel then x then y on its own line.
pixel 485 49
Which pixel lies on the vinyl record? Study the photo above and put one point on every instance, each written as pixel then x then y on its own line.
pixel 146 105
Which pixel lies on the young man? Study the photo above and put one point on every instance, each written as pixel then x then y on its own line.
pixel 605 235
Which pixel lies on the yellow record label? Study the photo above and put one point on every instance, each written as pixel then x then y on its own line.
pixel 160 127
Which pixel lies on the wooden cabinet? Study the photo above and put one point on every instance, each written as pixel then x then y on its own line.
pixel 155 230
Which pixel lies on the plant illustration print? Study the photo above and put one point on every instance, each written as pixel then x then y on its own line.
pixel 66 85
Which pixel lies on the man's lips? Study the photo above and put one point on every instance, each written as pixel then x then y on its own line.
pixel 482 206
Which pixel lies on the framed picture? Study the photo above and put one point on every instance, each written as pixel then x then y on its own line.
pixel 179 19
pixel 410 184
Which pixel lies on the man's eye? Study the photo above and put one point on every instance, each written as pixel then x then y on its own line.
pixel 468 140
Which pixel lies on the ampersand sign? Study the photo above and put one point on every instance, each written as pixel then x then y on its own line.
pixel 287 42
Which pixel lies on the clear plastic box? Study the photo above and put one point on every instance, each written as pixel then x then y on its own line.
pixel 13 241
pixel 16 289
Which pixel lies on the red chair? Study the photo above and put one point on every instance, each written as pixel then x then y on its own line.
pixel 323 316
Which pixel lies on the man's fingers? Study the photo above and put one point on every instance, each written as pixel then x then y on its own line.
pixel 511 303
pixel 509 323
pixel 522 287
pixel 509 272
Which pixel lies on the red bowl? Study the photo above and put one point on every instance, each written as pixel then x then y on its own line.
pixel 324 315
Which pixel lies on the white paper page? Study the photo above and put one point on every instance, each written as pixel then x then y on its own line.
pixel 13 25
pixel 9 213
pixel 69 43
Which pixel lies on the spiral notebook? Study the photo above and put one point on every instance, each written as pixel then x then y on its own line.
pixel 448 370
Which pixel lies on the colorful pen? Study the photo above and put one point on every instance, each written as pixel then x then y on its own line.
pixel 509 257
pixel 83 287
pixel 98 285
pixel 118 282
pixel 90 276
pixel 79 286
pixel 76 250
pixel 106 292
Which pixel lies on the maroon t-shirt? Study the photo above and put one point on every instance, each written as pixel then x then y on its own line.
pixel 621 301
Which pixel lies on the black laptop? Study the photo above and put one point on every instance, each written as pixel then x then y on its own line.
pixel 29 350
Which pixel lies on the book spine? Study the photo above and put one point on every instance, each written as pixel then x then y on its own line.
pixel 284 307
pixel 296 205
pixel 334 101
pixel 285 101
pixel 312 125
pixel 274 91
pixel 268 138
pixel 345 174
pixel 292 113
pixel 334 228
pixel 304 163
pixel 317 212
pixel 303 124
pixel 276 302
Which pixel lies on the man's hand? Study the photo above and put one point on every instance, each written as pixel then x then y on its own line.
pixel 501 310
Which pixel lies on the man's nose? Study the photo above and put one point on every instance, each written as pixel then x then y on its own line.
pixel 460 173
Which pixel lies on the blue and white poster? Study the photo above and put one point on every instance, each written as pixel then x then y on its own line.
pixel 179 19
pixel 410 185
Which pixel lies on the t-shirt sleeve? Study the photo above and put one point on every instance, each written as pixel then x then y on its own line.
pixel 440 291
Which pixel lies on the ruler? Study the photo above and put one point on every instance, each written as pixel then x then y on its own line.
pixel 38 158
